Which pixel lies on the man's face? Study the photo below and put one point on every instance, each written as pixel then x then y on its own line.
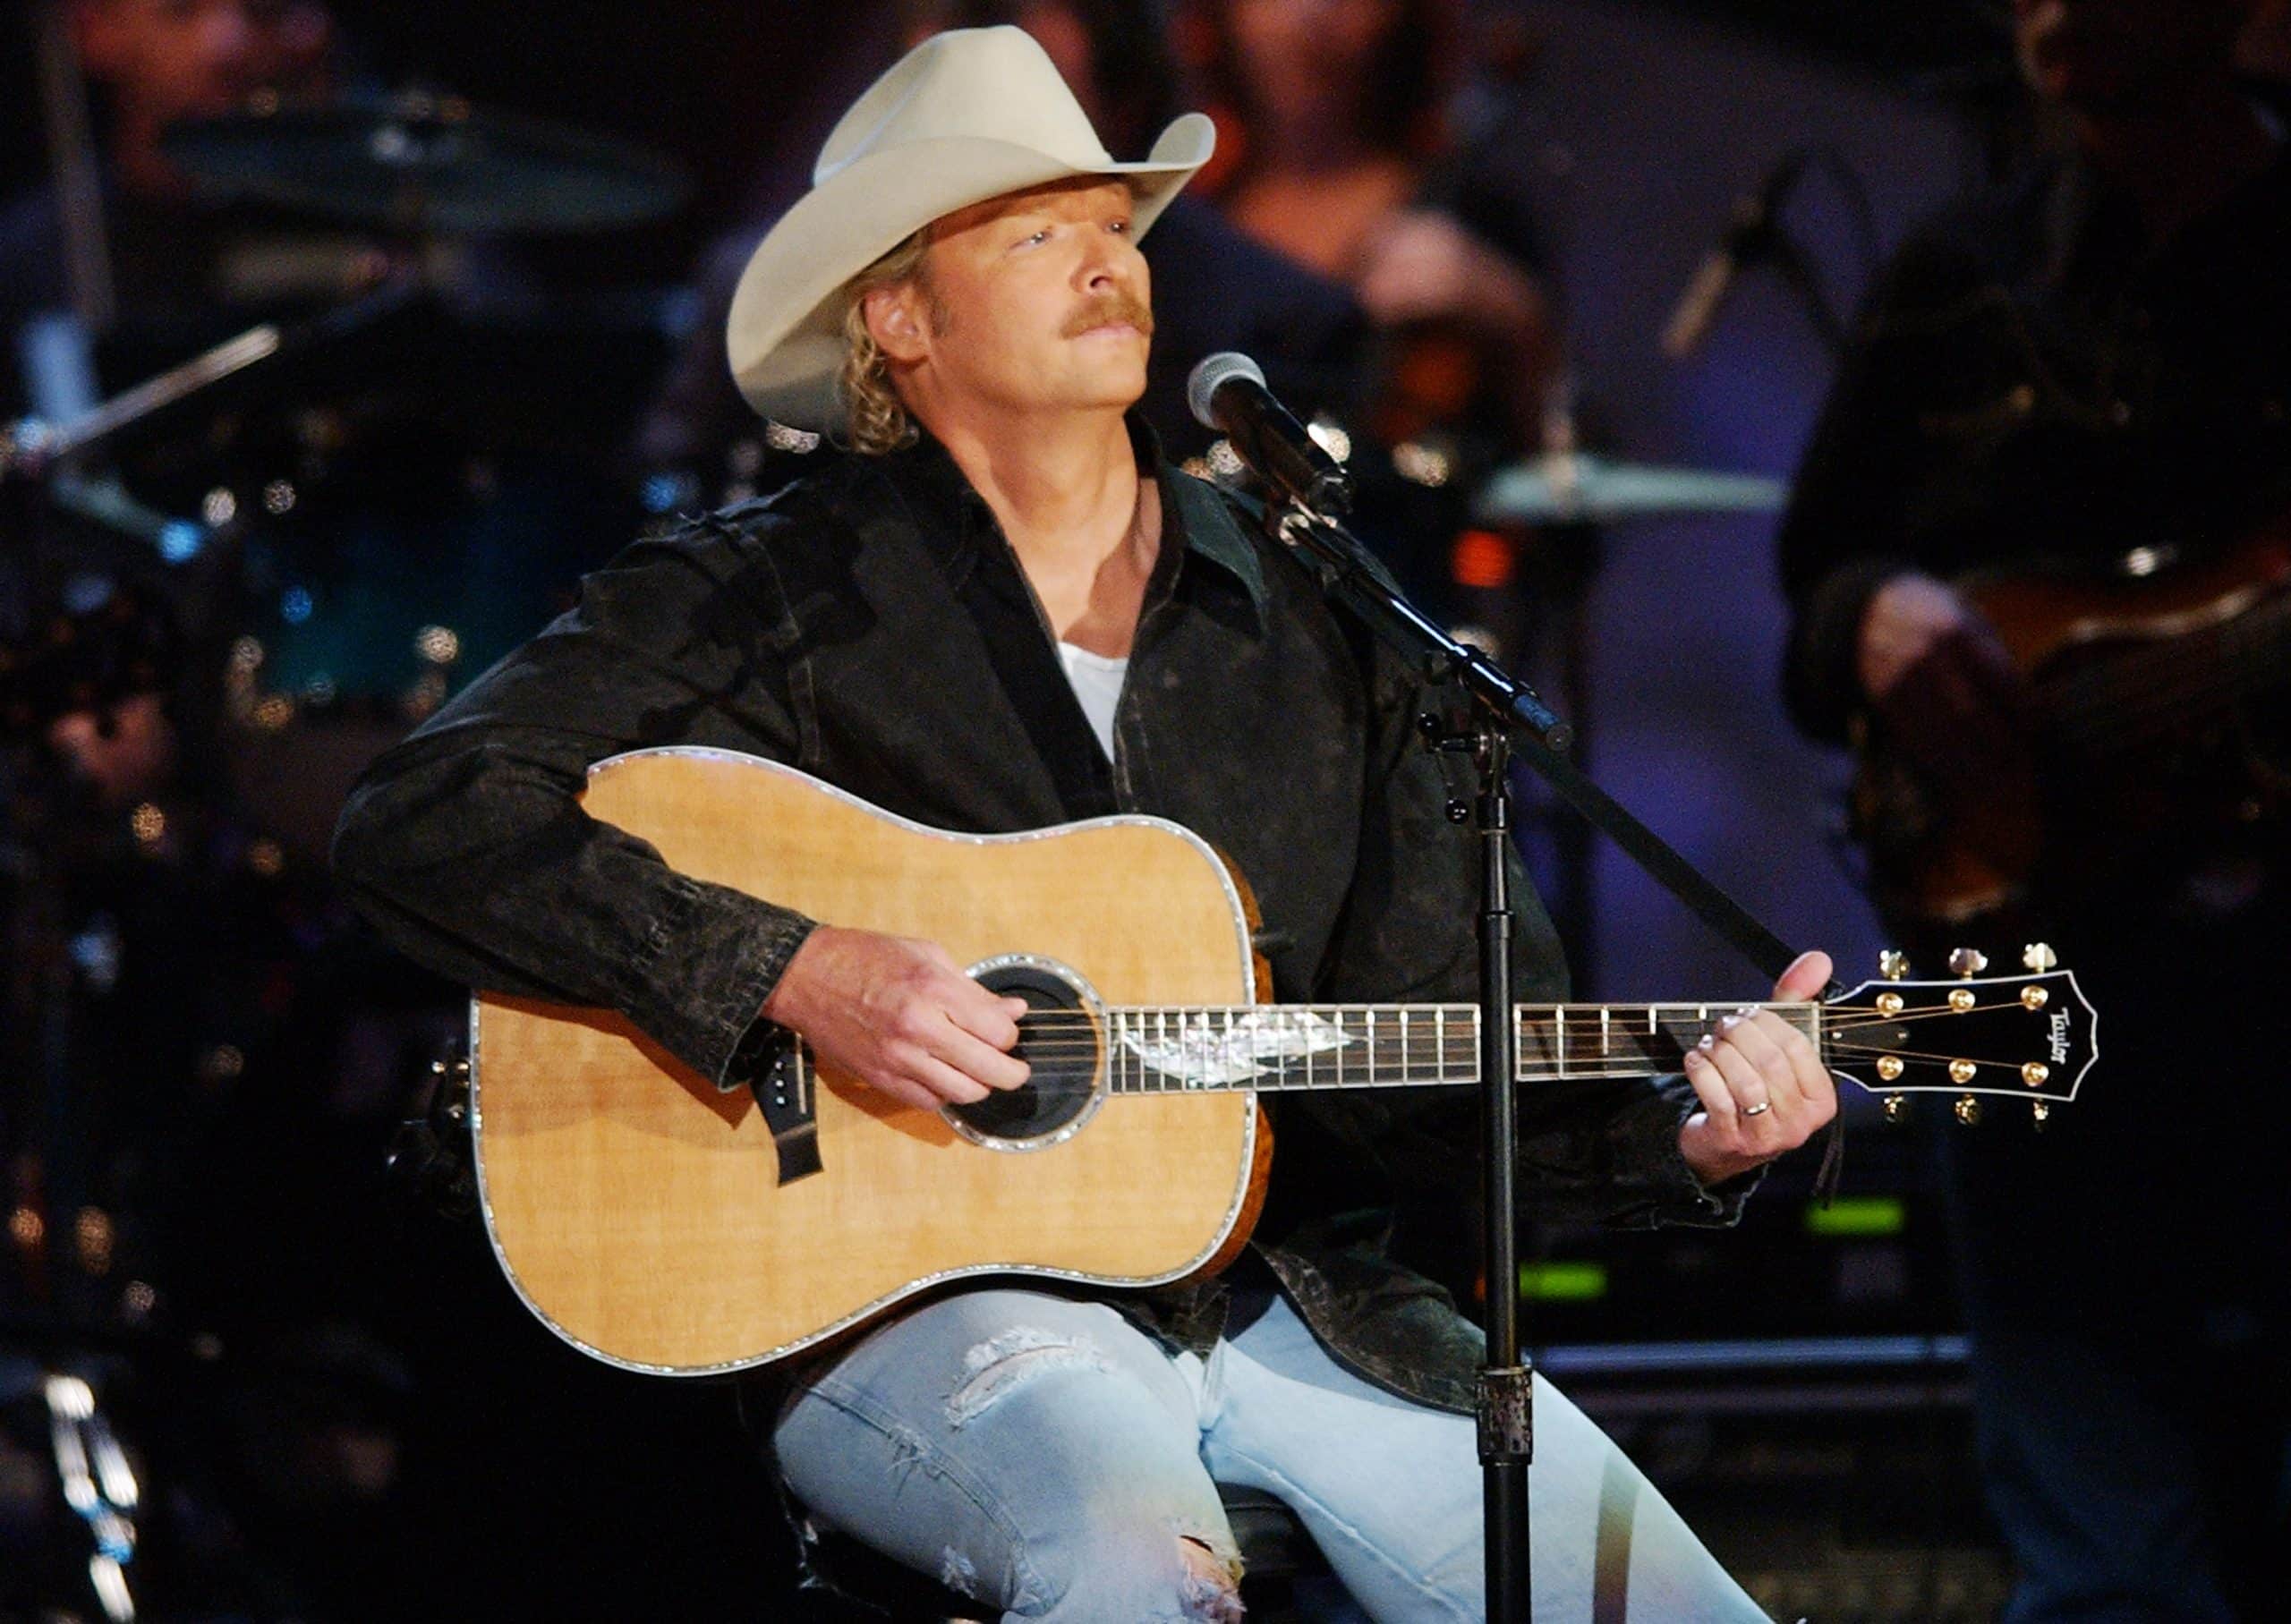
pixel 1036 301
pixel 171 59
pixel 1303 58
pixel 2120 56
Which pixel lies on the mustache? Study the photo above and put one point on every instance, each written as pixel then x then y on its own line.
pixel 1107 309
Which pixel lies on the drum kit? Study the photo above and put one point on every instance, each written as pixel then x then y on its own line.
pixel 224 588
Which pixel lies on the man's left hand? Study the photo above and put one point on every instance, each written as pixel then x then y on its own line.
pixel 1763 1088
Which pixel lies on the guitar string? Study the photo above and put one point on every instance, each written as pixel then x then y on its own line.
pixel 1289 1080
pixel 1184 1024
pixel 1337 1014
pixel 1334 1057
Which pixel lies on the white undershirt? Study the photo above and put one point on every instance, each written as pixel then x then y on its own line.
pixel 1096 681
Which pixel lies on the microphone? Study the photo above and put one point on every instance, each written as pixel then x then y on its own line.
pixel 1749 236
pixel 1227 392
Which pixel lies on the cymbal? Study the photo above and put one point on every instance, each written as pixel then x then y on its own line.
pixel 422 162
pixel 1563 487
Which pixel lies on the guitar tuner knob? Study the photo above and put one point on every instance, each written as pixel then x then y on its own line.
pixel 2041 1112
pixel 1962 1071
pixel 1968 962
pixel 1968 1110
pixel 1890 1067
pixel 2034 1074
pixel 1897 1107
pixel 2035 997
pixel 1962 1001
pixel 2039 957
pixel 1892 964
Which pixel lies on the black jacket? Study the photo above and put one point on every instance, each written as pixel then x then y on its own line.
pixel 826 627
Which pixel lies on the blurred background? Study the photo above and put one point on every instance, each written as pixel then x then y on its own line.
pixel 346 336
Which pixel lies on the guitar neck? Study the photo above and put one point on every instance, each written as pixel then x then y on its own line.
pixel 1188 1050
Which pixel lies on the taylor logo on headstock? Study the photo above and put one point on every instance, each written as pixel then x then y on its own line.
pixel 2032 1036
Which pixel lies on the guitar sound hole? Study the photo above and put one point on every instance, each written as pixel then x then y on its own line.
pixel 1060 1040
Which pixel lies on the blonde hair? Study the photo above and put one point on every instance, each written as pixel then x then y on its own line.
pixel 874 419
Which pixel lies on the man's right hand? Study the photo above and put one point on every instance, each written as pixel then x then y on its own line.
pixel 1937 674
pixel 900 1016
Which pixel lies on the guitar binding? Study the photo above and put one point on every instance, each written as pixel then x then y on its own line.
pixel 1067 1086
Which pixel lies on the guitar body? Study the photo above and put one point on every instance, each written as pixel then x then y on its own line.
pixel 639 1211
pixel 2169 759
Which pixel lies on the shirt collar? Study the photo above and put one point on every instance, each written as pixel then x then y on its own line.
pixel 953 521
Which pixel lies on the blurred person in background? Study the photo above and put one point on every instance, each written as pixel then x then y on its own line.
pixel 2079 386
pixel 1339 149
pixel 173 263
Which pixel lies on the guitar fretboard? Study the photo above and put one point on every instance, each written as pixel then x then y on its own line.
pixel 1182 1050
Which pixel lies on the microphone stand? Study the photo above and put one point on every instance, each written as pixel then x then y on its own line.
pixel 1506 1403
pixel 1508 714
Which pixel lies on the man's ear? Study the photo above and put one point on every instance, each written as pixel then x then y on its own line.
pixel 898 319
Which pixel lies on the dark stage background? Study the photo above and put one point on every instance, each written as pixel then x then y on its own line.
pixel 491 1472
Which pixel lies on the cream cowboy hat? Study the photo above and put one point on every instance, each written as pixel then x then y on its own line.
pixel 966 115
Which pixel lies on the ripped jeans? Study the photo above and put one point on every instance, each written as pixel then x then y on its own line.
pixel 1050 1459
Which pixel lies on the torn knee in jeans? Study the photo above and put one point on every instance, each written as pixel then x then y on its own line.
pixel 1002 1364
pixel 1211 1582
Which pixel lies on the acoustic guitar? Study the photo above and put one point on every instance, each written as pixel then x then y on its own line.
pixel 661 1224
pixel 2157 700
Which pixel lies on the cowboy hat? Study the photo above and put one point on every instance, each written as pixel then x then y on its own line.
pixel 966 115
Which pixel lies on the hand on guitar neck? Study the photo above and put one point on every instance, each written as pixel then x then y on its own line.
pixel 900 1016
pixel 1764 1089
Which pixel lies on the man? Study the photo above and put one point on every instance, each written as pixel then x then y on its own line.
pixel 2086 373
pixel 1022 617
pixel 1221 290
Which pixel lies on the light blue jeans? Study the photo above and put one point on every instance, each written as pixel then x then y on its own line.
pixel 1049 1458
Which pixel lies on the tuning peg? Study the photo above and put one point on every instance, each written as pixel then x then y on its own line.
pixel 2039 957
pixel 2042 1111
pixel 1968 962
pixel 1892 964
pixel 1897 1107
pixel 1968 1110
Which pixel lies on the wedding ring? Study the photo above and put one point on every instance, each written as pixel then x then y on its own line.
pixel 1759 1110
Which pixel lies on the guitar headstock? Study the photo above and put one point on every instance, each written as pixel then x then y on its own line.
pixel 2031 1036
